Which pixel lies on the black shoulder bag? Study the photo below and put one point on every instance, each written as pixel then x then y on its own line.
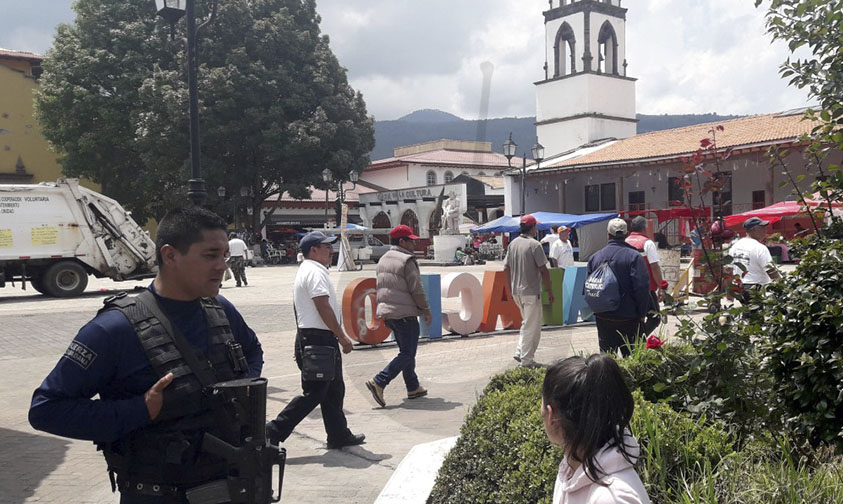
pixel 317 361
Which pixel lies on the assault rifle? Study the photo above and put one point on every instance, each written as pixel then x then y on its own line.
pixel 251 459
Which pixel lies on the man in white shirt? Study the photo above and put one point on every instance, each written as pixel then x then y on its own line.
pixel 751 259
pixel 237 258
pixel 551 237
pixel 318 322
pixel 561 251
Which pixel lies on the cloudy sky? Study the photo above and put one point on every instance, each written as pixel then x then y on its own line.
pixel 689 56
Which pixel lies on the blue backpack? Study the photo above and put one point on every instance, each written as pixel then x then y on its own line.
pixel 602 291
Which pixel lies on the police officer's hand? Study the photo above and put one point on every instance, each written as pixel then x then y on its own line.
pixel 428 317
pixel 346 344
pixel 154 397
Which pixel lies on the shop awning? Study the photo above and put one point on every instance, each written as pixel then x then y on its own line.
pixel 777 211
pixel 507 224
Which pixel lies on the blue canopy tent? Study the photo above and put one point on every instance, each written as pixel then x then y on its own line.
pixel 505 224
pixel 591 228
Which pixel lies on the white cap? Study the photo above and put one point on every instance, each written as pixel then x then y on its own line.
pixel 617 228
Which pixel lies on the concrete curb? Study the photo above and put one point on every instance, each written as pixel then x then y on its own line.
pixel 413 480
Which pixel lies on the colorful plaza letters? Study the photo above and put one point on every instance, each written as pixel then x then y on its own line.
pixel 470 306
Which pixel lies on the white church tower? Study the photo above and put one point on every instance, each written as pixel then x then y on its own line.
pixel 586 94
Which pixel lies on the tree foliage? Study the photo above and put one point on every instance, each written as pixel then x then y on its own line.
pixel 275 104
pixel 817 25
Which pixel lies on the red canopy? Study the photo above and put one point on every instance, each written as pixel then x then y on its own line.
pixel 775 212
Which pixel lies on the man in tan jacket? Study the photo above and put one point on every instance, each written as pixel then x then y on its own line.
pixel 401 299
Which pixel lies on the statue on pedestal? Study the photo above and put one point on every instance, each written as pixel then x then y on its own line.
pixel 451 215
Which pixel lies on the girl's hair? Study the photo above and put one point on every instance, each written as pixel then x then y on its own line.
pixel 593 406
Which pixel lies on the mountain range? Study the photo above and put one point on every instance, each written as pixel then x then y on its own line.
pixel 426 125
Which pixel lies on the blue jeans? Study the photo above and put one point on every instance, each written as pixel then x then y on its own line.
pixel 406 331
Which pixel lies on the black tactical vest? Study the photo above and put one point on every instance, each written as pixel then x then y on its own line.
pixel 167 455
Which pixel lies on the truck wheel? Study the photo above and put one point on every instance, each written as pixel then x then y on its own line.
pixel 37 283
pixel 65 279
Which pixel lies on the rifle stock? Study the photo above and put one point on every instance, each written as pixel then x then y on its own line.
pixel 252 459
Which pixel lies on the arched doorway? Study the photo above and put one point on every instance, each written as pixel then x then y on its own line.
pixel 434 221
pixel 381 221
pixel 409 218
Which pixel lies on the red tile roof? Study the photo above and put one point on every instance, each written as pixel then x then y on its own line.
pixel 24 55
pixel 678 142
pixel 447 157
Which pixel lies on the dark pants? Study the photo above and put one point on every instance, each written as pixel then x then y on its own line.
pixel 327 394
pixel 406 331
pixel 653 317
pixel 238 269
pixel 614 335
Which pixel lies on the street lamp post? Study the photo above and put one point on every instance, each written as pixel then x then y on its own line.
pixel 538 153
pixel 328 177
pixel 509 152
pixel 172 11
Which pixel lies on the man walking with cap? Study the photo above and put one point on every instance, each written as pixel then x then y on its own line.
pixel 621 328
pixel 317 320
pixel 561 252
pixel 237 258
pixel 650 253
pixel 525 266
pixel 749 251
pixel 401 299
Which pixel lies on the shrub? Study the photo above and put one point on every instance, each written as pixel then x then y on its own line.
pixel 502 454
pixel 803 344
pixel 654 372
pixel 675 448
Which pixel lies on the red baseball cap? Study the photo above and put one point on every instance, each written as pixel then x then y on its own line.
pixel 528 220
pixel 402 231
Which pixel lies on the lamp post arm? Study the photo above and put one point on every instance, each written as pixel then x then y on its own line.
pixel 210 19
pixel 196 186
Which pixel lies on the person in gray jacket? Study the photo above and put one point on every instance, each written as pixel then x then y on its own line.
pixel 401 299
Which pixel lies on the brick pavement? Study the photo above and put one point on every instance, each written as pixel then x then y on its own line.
pixel 36 467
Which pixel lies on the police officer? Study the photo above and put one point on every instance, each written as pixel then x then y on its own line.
pixel 148 358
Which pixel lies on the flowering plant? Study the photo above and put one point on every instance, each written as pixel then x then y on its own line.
pixel 654 342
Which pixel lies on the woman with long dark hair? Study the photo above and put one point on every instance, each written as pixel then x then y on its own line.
pixel 586 410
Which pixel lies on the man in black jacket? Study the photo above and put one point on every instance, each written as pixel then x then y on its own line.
pixel 620 329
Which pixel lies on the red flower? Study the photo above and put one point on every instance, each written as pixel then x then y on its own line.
pixel 705 142
pixel 654 342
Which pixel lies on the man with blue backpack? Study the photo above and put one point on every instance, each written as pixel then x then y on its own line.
pixel 617 289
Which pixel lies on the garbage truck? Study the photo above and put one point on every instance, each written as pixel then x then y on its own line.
pixel 53 235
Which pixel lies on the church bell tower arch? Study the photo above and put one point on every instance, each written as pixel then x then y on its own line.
pixel 586 94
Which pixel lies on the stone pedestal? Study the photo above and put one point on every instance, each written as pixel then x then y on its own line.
pixel 445 247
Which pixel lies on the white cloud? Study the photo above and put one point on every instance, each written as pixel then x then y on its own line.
pixel 404 55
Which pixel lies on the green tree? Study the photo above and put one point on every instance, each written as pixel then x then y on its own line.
pixel 817 25
pixel 275 104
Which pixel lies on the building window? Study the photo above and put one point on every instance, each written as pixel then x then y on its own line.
pixel 759 199
pixel 481 174
pixel 675 194
pixel 636 201
pixel 600 197
pixel 431 178
pixel 565 51
pixel 592 198
pixel 607 197
pixel 449 176
pixel 722 199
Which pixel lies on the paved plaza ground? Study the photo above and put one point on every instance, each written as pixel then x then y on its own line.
pixel 35 330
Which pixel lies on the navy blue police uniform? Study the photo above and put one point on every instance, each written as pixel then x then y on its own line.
pixel 107 358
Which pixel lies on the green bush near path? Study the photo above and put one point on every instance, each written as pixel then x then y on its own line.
pixel 503 455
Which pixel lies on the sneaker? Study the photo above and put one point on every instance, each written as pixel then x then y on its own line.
pixel 377 392
pixel 532 365
pixel 517 358
pixel 352 440
pixel 419 392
